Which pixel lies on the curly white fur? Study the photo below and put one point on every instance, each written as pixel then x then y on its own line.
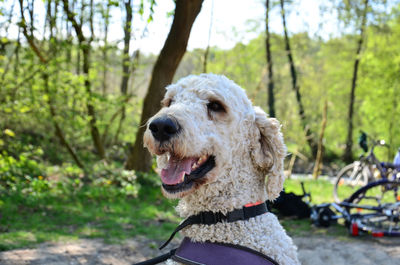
pixel 247 146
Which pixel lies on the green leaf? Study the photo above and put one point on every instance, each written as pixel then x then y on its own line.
pixel 24 109
pixel 9 132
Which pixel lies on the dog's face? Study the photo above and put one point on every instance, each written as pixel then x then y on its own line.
pixel 205 124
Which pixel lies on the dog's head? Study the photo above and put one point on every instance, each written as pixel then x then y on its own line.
pixel 208 129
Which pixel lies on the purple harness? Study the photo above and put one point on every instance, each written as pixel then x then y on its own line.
pixel 208 253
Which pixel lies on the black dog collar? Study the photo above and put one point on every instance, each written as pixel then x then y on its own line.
pixel 209 218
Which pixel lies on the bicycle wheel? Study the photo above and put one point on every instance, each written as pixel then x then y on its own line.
pixel 377 193
pixel 378 225
pixel 349 179
pixel 379 211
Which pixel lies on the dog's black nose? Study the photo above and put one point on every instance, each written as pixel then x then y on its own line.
pixel 164 128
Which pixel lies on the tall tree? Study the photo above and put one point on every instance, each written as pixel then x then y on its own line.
pixel 271 99
pixel 164 69
pixel 7 25
pixel 295 86
pixel 318 160
pixel 207 51
pixel 125 54
pixel 126 65
pixel 106 16
pixel 85 46
pixel 348 154
pixel 3 44
pixel 45 75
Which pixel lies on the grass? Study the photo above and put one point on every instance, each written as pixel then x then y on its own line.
pixel 90 213
pixel 321 190
pixel 102 212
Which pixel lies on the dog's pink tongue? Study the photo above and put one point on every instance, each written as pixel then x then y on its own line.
pixel 176 169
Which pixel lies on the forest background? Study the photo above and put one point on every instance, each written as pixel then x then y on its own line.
pixel 73 99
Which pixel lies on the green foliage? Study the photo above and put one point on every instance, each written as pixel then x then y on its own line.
pixel 325 70
pixel 41 183
pixel 141 11
pixel 105 174
pixel 380 86
pixel 22 170
pixel 66 209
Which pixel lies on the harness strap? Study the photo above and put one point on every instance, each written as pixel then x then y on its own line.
pixel 216 253
pixel 210 218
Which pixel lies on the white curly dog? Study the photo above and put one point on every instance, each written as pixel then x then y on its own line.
pixel 214 150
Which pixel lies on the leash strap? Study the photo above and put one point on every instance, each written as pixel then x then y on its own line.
pixel 158 259
pixel 210 218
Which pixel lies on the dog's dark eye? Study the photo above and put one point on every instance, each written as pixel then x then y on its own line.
pixel 215 106
pixel 166 102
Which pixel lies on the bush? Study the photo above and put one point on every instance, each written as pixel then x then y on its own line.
pixel 107 174
pixel 19 171
pixel 23 170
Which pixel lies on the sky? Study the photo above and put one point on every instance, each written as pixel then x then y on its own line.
pixel 232 21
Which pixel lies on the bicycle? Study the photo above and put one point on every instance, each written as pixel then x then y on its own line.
pixel 365 170
pixel 373 209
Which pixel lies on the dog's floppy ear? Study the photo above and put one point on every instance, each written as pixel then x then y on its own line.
pixel 268 151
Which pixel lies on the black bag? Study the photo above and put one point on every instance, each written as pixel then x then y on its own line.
pixel 290 204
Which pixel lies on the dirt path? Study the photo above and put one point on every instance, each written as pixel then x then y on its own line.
pixel 312 251
pixel 363 251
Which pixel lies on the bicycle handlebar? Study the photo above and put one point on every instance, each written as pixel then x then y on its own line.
pixel 374 142
pixel 305 194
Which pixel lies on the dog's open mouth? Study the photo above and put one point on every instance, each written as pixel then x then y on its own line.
pixel 180 174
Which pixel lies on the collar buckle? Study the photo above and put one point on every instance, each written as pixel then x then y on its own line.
pixel 211 217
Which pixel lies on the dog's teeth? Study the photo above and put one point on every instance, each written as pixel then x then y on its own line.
pixel 199 162
pixel 202 159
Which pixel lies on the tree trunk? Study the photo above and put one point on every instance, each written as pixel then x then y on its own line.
pixel 392 129
pixel 308 133
pixel 126 65
pixel 17 49
pixel 207 51
pixel 164 69
pixel 94 131
pixel 105 48
pixel 58 131
pixel 134 63
pixel 348 154
pixel 6 27
pixel 125 54
pixel 69 40
pixel 31 17
pixel 271 99
pixel 84 45
pixel 318 160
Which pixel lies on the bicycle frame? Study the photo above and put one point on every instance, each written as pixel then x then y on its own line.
pixel 355 220
pixel 369 161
